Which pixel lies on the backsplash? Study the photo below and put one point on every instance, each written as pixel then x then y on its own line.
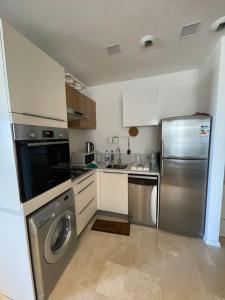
pixel 145 142
pixel 125 158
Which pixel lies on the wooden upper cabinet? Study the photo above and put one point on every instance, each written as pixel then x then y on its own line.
pixel 72 98
pixel 88 107
pixel 81 103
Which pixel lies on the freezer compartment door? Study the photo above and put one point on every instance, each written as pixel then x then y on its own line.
pixel 185 137
pixel 142 208
pixel 183 196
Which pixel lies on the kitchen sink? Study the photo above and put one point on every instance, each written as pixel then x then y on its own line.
pixel 117 166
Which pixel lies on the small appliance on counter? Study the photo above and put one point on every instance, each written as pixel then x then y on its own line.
pixel 89 147
pixel 82 159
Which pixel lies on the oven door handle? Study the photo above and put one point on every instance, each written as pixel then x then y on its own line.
pixel 47 143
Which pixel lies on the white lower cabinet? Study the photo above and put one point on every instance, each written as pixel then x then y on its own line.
pixel 114 192
pixel 85 201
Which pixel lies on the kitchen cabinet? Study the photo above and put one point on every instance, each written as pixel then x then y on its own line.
pixel 72 97
pixel 114 192
pixel 85 200
pixel 140 109
pixel 81 103
pixel 88 107
pixel 36 82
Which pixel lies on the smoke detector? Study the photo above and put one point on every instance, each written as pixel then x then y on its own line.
pixel 189 29
pixel 218 25
pixel 147 40
pixel 113 49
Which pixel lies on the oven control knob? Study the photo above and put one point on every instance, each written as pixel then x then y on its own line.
pixel 32 135
pixel 61 135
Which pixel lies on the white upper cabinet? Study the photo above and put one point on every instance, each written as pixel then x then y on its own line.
pixel 140 109
pixel 36 82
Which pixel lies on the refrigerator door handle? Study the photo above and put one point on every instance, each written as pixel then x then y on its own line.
pixel 161 171
pixel 162 148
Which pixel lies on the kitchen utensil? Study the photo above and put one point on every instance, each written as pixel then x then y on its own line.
pixel 128 147
pixel 133 131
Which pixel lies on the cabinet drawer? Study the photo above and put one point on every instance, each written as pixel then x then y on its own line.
pixel 84 216
pixel 79 185
pixel 84 196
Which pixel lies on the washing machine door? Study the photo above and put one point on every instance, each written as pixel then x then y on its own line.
pixel 59 236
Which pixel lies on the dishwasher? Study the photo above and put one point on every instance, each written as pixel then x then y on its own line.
pixel 142 199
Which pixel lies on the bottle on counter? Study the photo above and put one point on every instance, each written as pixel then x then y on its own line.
pixel 107 157
pixel 112 157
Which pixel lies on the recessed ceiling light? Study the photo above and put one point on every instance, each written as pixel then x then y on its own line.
pixel 113 49
pixel 219 24
pixel 147 40
pixel 189 29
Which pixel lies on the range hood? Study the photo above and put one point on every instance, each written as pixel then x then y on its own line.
pixel 73 115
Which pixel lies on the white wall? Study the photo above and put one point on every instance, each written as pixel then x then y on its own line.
pixel 222 225
pixel 212 100
pixel 15 269
pixel 177 95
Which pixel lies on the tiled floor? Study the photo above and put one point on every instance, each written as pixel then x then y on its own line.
pixel 147 265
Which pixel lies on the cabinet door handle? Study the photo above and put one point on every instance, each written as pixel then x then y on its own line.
pixel 86 206
pixel 114 172
pixel 85 187
pixel 40 116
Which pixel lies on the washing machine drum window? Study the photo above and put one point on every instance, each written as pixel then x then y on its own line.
pixel 59 237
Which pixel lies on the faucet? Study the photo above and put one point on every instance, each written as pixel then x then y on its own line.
pixel 119 155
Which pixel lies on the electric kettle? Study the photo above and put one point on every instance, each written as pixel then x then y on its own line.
pixel 89 147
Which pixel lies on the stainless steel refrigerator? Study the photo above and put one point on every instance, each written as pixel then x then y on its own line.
pixel 184 158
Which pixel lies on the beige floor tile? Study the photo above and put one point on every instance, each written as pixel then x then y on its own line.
pixel 147 265
pixel 213 278
pixel 79 293
pixel 121 282
pixel 2 297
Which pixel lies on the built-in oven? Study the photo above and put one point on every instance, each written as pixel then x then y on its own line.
pixel 43 158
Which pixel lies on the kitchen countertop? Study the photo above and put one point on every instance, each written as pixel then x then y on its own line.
pixel 102 167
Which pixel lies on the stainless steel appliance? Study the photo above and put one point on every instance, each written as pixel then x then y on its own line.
pixel 77 171
pixel 82 159
pixel 142 199
pixel 53 240
pixel 184 169
pixel 42 154
pixel 89 147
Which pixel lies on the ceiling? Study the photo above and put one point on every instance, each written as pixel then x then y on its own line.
pixel 76 32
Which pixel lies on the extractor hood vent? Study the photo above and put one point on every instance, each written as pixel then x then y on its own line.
pixel 189 29
pixel 113 49
pixel 73 115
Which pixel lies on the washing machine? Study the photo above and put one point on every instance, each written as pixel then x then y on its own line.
pixel 53 241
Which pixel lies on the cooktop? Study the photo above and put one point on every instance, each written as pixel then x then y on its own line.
pixel 78 171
